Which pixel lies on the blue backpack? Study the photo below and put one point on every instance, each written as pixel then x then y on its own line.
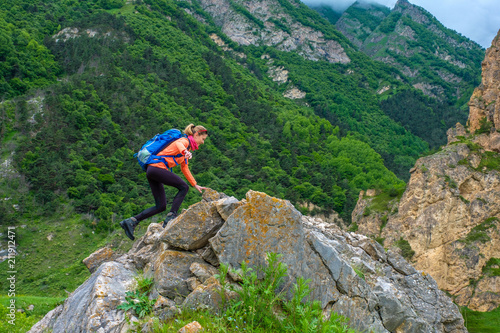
pixel 147 153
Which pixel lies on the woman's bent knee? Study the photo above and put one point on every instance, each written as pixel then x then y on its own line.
pixel 184 188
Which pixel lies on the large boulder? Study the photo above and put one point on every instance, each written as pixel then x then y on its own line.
pixel 265 224
pixel 192 229
pixel 99 257
pixel 92 307
pixel 170 270
pixel 209 296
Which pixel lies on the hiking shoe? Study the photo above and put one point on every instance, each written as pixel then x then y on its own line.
pixel 170 217
pixel 129 226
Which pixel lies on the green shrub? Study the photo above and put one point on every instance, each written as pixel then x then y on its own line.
pixel 484 126
pixel 263 304
pixel 144 284
pixel 405 247
pixel 353 227
pixel 367 211
pixel 463 161
pixel 490 161
pixel 384 220
pixel 492 267
pixel 139 302
pixel 451 183
pixel 380 240
pixel 479 232
pixel 464 200
pixel 359 271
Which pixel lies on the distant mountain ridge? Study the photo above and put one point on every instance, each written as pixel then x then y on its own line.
pixel 438 61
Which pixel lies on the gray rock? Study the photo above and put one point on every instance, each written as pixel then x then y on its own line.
pixel 210 195
pixel 202 271
pixel 226 206
pixel 99 257
pixel 399 264
pixel 391 311
pixel 350 274
pixel 168 313
pixel 209 296
pixel 170 270
pixel 209 255
pixel 265 224
pixel 92 306
pixel 193 283
pixel 192 229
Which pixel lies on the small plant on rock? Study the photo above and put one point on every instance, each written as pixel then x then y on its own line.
pixel 139 302
pixel 138 299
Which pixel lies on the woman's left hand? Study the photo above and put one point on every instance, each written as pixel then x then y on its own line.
pixel 200 188
pixel 188 155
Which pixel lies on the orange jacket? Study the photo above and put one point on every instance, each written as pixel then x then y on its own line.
pixel 175 148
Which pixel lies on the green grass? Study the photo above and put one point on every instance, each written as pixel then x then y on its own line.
pixel 54 267
pixel 490 161
pixel 353 227
pixel 481 322
pixel 380 203
pixel 25 320
pixel 124 10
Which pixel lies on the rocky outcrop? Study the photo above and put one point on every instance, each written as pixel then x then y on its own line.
pixel 449 215
pixel 483 103
pixel 350 273
pixel 268 23
pixel 92 307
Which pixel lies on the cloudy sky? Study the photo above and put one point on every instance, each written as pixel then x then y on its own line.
pixel 478 20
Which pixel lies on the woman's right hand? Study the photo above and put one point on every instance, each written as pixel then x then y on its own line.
pixel 188 155
pixel 200 188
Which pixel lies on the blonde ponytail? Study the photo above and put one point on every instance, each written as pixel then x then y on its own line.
pixel 191 129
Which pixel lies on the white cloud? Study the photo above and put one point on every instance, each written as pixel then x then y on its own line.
pixel 338 5
pixel 478 20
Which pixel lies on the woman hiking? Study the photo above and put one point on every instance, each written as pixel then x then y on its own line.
pixel 158 175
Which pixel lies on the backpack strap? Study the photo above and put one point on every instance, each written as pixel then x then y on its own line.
pixel 163 159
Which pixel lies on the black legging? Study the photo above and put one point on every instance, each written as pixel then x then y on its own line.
pixel 156 178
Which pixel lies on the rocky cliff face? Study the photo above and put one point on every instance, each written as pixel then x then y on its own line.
pixel 389 295
pixel 483 106
pixel 267 23
pixel 450 211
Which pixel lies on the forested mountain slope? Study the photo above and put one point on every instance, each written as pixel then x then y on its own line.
pixel 85 84
pixel 441 63
pixel 115 74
